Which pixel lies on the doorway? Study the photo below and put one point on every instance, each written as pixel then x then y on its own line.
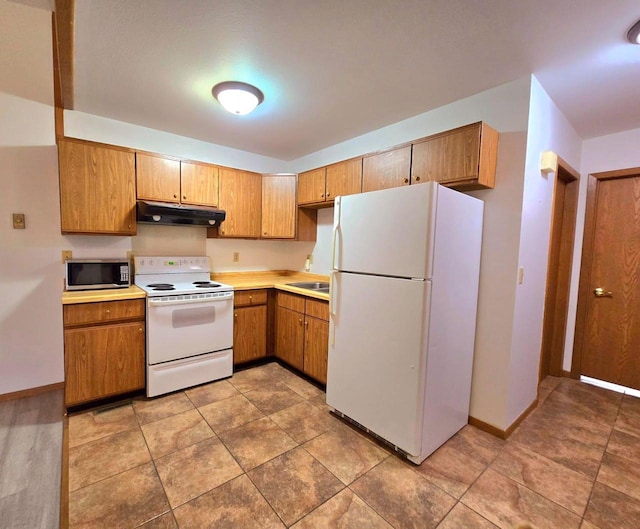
pixel 556 305
pixel 607 345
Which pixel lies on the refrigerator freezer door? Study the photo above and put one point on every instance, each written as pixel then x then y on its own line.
pixel 388 232
pixel 378 357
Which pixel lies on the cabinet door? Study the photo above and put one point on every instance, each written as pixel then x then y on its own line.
pixel 344 178
pixel 387 169
pixel 278 207
pixel 447 158
pixel 249 333
pixel 240 197
pixel 311 186
pixel 290 336
pixel 103 360
pixel 199 184
pixel 97 189
pixel 316 348
pixel 158 178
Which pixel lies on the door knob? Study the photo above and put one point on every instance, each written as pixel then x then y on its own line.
pixel 600 293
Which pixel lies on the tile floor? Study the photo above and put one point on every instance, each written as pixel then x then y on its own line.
pixel 260 450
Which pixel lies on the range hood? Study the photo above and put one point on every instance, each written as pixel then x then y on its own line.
pixel 161 213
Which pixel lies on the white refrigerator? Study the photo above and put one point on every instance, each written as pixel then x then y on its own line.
pixel 403 303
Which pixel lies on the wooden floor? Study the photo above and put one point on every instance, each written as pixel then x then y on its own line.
pixel 30 461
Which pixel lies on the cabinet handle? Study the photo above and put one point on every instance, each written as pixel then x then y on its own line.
pixel 140 329
pixel 417 178
pixel 406 180
pixel 328 195
pixel 265 233
pixel 322 196
pixel 306 323
pixel 300 321
pixel 184 197
pixel 108 311
pixel 175 196
pixel 235 315
pixel 250 298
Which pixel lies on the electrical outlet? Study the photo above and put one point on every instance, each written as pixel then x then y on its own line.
pixel 310 258
pixel 66 254
pixel 236 257
pixel 18 221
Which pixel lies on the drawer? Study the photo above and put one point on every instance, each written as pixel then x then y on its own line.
pixel 244 298
pixel 103 311
pixel 291 301
pixel 318 309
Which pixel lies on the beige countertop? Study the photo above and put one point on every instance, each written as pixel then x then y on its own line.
pixel 111 294
pixel 277 279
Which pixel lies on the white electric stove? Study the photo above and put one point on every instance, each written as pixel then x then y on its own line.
pixel 189 323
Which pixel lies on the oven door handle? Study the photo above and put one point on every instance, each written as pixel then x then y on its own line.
pixel 165 302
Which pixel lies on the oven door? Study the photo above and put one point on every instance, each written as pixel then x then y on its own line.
pixel 181 326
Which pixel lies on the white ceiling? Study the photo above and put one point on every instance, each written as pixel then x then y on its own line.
pixel 334 69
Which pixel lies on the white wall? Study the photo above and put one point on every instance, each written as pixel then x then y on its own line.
pixel 606 153
pixel 548 130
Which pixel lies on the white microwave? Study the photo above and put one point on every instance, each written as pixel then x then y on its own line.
pixel 89 274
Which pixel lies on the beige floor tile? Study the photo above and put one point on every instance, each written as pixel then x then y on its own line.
pixel 212 392
pixel 176 432
pixel 195 470
pixel 272 399
pixel 125 500
pixel 610 509
pixel 624 445
pixel 149 410
pixel 459 462
pixel 628 419
pixel 507 504
pixel 402 497
pixel 166 521
pixel 294 484
pixel 552 480
pixel 621 474
pixel 230 413
pixel 91 425
pixel 588 401
pixel 303 388
pixel 344 511
pixel 105 457
pixel 550 382
pixel 256 442
pixel 235 505
pixel 346 453
pixel 461 517
pixel 261 376
pixel 304 421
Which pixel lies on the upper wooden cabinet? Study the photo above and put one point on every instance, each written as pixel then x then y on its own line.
pixel 97 189
pixel 311 186
pixel 158 178
pixel 198 184
pixel 387 169
pixel 319 187
pixel 278 207
pixel 169 180
pixel 240 196
pixel 463 158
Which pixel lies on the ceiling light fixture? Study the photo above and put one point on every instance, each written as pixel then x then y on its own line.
pixel 634 33
pixel 236 97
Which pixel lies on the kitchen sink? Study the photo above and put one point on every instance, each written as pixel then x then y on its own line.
pixel 316 286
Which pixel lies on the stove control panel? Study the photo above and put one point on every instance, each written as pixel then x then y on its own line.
pixel 171 265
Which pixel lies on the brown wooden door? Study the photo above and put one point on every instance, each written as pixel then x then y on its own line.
pixel 249 333
pixel 387 169
pixel 240 196
pixel 316 348
pixel 278 207
pixel 97 189
pixel 103 361
pixel 311 186
pixel 344 178
pixel 157 178
pixel 611 332
pixel 290 336
pixel 199 184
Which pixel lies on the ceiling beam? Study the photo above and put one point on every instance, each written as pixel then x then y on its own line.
pixel 63 53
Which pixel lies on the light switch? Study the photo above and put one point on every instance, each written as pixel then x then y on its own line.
pixel 18 221
pixel 520 275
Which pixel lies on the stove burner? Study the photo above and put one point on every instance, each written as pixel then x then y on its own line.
pixel 160 285
pixel 205 284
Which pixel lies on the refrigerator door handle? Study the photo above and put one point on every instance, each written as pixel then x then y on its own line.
pixel 332 304
pixel 336 227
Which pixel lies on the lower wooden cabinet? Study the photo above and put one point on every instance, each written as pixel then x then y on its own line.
pixel 104 348
pixel 302 334
pixel 249 326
